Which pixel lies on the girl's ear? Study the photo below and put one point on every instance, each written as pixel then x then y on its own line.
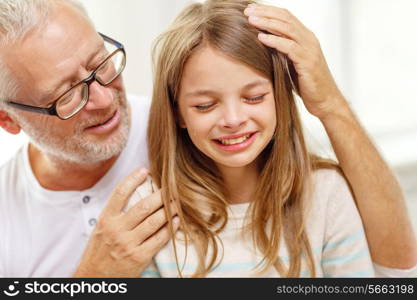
pixel 8 124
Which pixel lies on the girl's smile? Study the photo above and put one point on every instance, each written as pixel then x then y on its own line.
pixel 235 143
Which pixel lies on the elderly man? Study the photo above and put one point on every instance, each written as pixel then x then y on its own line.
pixel 60 82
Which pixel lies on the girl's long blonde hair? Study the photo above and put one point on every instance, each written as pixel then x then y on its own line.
pixel 192 180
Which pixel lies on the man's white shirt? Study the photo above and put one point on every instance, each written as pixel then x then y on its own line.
pixel 43 233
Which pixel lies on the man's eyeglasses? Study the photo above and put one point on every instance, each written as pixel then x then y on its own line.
pixel 74 99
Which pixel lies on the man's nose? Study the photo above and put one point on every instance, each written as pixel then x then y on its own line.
pixel 100 97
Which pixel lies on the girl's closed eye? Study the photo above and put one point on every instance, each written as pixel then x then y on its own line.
pixel 255 99
pixel 204 107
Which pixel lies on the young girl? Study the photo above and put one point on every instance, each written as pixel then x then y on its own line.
pixel 226 146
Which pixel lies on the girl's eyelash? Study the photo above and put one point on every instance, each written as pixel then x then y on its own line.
pixel 203 107
pixel 257 98
pixel 206 107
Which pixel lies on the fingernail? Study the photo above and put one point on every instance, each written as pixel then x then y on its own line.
pixel 176 220
pixel 262 36
pixel 143 171
pixel 250 10
pixel 254 19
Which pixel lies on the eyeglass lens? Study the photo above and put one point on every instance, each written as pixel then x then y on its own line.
pixel 73 100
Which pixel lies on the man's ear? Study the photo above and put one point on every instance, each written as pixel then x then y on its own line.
pixel 8 124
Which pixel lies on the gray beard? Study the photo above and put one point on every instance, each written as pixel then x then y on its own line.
pixel 76 149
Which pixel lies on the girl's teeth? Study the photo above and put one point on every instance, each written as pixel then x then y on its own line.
pixel 234 141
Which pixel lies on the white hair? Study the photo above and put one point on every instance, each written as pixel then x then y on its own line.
pixel 8 86
pixel 17 18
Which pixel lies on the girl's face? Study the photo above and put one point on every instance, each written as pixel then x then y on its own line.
pixel 227 107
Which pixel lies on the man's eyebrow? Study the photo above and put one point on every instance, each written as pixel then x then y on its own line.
pixel 52 92
pixel 100 48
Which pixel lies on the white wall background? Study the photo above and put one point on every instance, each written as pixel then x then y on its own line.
pixel 371 47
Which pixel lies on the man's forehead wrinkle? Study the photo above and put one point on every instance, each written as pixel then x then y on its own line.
pixel 51 69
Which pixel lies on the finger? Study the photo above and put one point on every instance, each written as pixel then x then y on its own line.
pixel 123 191
pixel 284 45
pixel 152 224
pixel 143 209
pixel 283 15
pixel 271 12
pixel 155 243
pixel 277 27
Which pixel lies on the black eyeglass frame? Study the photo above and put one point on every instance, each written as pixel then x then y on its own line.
pixel 51 110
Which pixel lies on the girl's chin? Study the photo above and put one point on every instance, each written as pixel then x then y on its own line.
pixel 235 163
